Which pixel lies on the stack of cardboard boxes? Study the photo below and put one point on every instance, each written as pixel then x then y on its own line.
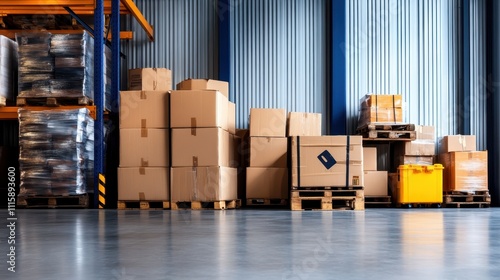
pixel 267 176
pixel 375 181
pixel 465 169
pixel 420 151
pixel 377 108
pixel 203 143
pixel 143 174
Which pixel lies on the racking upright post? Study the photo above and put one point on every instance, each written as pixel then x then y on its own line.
pixel 99 94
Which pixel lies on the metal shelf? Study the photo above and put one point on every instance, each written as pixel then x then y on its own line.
pixel 10 112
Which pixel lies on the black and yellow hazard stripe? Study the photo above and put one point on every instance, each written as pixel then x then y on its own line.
pixel 102 191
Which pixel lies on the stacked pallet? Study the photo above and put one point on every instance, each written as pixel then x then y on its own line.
pixel 267 174
pixel 143 175
pixel 8 70
pixel 204 173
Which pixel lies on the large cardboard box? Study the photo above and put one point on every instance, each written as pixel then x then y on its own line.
pixel 143 183
pixel 457 143
pixel 198 108
pixel 380 115
pixel 304 124
pixel 231 117
pixel 202 147
pixel 144 147
pixel 267 183
pixel 268 152
pixel 419 147
pixel 425 132
pixel 204 84
pixel 144 109
pixel 465 171
pixel 382 101
pixel 267 122
pixel 327 161
pixel 159 79
pixel 203 184
pixel 369 158
pixel 376 183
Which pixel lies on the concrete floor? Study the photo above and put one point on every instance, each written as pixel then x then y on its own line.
pixel 255 244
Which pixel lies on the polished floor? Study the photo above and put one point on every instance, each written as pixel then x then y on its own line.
pixel 254 244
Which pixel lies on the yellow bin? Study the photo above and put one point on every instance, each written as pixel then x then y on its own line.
pixel 420 184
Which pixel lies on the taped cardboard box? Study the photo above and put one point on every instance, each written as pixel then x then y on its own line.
pixel 159 79
pixel 380 115
pixel 465 171
pixel 376 183
pixel 202 147
pixel 204 84
pixel 267 183
pixel 457 143
pixel 414 160
pixel 425 132
pixel 327 161
pixel 144 109
pixel 144 147
pixel 143 183
pixel 304 124
pixel 267 122
pixel 369 158
pixel 382 101
pixel 268 152
pixel 203 184
pixel 198 108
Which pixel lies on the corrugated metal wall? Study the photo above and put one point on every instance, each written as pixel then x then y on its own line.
pixel 185 38
pixel 278 56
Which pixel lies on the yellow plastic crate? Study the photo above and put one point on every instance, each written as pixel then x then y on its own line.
pixel 420 184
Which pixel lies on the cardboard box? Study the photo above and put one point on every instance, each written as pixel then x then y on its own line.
pixel 144 109
pixel 415 160
pixel 382 101
pixel 202 147
pixel 198 109
pixel 144 147
pixel 457 143
pixel 203 184
pixel 267 122
pixel 159 79
pixel 304 124
pixel 376 183
pixel 322 161
pixel 267 183
pixel 425 132
pixel 465 171
pixel 268 152
pixel 380 115
pixel 231 117
pixel 143 183
pixel 204 84
pixel 369 158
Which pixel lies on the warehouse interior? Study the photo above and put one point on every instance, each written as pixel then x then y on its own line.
pixel 324 69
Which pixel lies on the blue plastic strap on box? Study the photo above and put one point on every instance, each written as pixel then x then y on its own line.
pixel 327 159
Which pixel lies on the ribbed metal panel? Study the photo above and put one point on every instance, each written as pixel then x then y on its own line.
pixel 404 47
pixel 278 56
pixel 185 38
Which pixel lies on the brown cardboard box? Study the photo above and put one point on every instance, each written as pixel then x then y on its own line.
pixel 144 109
pixel 267 122
pixel 457 143
pixel 465 171
pixel 304 124
pixel 143 183
pixel 369 158
pixel 203 184
pixel 322 161
pixel 419 147
pixel 381 115
pixel 231 118
pixel 382 101
pixel 376 183
pixel 144 147
pixel 415 160
pixel 198 108
pixel 267 183
pixel 159 79
pixel 204 84
pixel 425 132
pixel 202 147
pixel 268 152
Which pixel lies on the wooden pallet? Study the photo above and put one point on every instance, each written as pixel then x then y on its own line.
pixel 70 201
pixel 266 202
pixel 387 126
pixel 377 201
pixel 418 205
pixel 333 199
pixel 54 101
pixel 207 205
pixel 143 205
pixel 467 204
pixel 461 199
pixel 322 188
pixel 388 131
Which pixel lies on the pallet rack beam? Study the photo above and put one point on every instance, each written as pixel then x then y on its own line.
pixel 139 17
pixel 11 33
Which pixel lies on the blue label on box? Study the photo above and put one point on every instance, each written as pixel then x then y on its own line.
pixel 327 159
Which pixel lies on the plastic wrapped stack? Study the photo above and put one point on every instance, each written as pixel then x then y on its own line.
pixel 56 151
pixel 8 68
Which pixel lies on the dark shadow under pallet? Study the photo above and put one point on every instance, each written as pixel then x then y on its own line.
pixel 70 201
pixel 337 199
pixel 207 205
pixel 53 101
pixel 143 205
pixel 373 201
pixel 266 202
